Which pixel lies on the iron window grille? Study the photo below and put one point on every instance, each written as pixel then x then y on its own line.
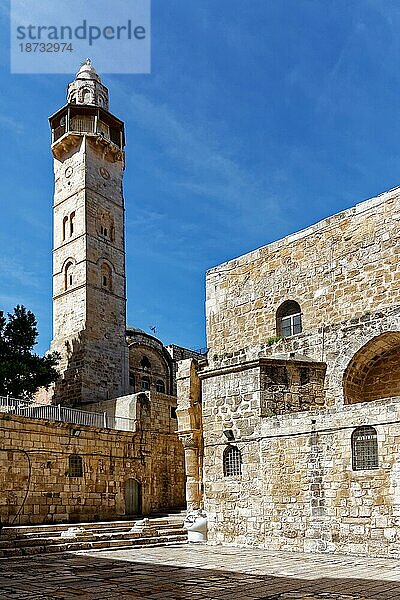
pixel 364 445
pixel 75 466
pixel 232 462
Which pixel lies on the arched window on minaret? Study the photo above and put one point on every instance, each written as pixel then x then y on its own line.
pixel 86 96
pixel 71 223
pixel 106 276
pixel 68 275
pixel 64 228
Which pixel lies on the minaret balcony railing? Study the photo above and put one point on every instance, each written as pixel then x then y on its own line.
pixel 82 124
pixel 90 124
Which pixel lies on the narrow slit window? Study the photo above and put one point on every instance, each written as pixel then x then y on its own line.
pixel 106 276
pixel 132 380
pixel 68 275
pixel 64 228
pixel 71 223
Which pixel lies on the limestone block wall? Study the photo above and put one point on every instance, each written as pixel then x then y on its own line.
pixel 338 269
pixel 298 490
pixel 157 410
pixel 89 270
pixel 149 349
pixel 293 404
pixel 34 462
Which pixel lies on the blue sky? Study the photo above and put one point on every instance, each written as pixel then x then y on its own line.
pixel 258 119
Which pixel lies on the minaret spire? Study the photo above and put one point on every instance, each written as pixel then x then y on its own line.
pixel 89 245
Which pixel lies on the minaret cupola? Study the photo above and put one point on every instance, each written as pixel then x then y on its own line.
pixel 87 88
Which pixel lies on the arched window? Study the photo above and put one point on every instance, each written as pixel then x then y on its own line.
pixel 232 461
pixel 145 363
pixel 86 96
pixel 64 229
pixel 106 276
pixel 145 381
pixel 288 319
pixel 160 386
pixel 68 275
pixel 71 223
pixel 364 447
pixel 105 219
pixel 75 465
pixel 104 231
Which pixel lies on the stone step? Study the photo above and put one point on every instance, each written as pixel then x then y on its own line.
pixel 36 539
pixel 89 536
pixel 72 546
pixel 48 529
pixel 33 532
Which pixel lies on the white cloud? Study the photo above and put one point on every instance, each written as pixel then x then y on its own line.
pixel 11 269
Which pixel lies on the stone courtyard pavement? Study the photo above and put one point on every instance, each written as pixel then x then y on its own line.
pixel 197 573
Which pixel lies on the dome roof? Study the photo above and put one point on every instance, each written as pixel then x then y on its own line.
pixel 87 71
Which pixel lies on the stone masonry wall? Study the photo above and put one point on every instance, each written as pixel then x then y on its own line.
pixel 89 309
pixel 34 461
pixel 338 269
pixel 297 490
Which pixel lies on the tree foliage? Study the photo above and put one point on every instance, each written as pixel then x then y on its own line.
pixel 22 372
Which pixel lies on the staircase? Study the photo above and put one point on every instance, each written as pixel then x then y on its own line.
pixel 38 539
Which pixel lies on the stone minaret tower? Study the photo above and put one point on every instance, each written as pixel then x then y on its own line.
pixel 89 247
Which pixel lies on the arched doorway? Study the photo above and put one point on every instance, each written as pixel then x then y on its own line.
pixel 374 371
pixel 133 497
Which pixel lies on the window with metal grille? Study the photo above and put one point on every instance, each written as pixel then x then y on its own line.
pixel 232 461
pixel 75 467
pixel 364 446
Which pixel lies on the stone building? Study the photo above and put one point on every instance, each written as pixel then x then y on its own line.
pixel 69 471
pixel 100 356
pixel 291 426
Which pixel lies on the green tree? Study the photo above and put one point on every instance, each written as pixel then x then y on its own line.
pixel 22 372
